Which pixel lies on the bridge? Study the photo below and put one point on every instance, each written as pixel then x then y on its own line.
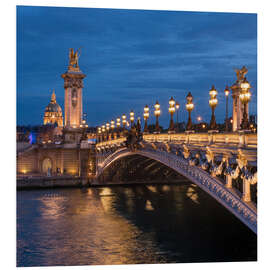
pixel 215 162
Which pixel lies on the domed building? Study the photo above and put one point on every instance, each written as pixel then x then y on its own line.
pixel 53 113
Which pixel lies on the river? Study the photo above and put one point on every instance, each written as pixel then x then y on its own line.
pixel 128 225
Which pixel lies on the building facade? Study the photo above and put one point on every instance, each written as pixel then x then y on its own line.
pixel 72 155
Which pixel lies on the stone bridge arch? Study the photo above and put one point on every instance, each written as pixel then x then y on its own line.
pixel 210 184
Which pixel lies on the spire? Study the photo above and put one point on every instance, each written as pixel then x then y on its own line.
pixel 53 98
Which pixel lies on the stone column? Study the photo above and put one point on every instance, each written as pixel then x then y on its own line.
pixel 238 108
pixel 228 181
pixel 210 137
pixel 237 112
pixel 73 84
pixel 246 191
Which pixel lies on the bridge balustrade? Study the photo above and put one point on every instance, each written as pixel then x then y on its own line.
pixel 228 139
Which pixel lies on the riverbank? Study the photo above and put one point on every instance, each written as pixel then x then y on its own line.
pixel 71 182
pixel 50 182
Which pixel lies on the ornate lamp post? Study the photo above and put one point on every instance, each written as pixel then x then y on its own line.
pixel 131 118
pixel 83 124
pixel 124 121
pixel 245 96
pixel 118 124
pixel 103 129
pixel 213 103
pixel 157 114
pixel 226 92
pixel 112 128
pixel 145 116
pixel 108 130
pixel 171 111
pixel 99 137
pixel 189 108
pixel 177 106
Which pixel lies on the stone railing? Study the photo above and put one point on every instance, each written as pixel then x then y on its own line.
pixel 233 140
pixel 118 141
pixel 22 146
pixel 228 139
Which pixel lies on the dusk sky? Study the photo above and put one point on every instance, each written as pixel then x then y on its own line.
pixel 132 58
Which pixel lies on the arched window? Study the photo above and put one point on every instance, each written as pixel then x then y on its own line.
pixel 46 165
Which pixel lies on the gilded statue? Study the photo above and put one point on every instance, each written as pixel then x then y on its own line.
pixel 73 59
pixel 240 73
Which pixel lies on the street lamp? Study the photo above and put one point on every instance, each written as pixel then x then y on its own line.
pixel 213 103
pixel 112 127
pixel 245 96
pixel 118 124
pixel 227 92
pixel 157 114
pixel 189 108
pixel 171 111
pixel 99 137
pixel 83 124
pixel 108 130
pixel 131 118
pixel 177 106
pixel 84 127
pixel 103 129
pixel 124 120
pixel 145 116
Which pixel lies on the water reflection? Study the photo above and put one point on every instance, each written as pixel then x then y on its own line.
pixel 148 206
pixel 127 225
pixel 192 194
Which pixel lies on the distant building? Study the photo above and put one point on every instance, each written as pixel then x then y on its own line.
pixel 53 113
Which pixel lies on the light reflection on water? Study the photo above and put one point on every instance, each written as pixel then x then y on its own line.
pixel 127 225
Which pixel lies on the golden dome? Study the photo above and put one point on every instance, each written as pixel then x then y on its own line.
pixel 53 112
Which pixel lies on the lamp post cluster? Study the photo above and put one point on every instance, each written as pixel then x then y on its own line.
pixel 106 132
pixel 113 129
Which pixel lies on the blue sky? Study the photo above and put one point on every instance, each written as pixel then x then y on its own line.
pixel 132 58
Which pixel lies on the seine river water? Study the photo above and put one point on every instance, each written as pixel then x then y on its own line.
pixel 128 225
